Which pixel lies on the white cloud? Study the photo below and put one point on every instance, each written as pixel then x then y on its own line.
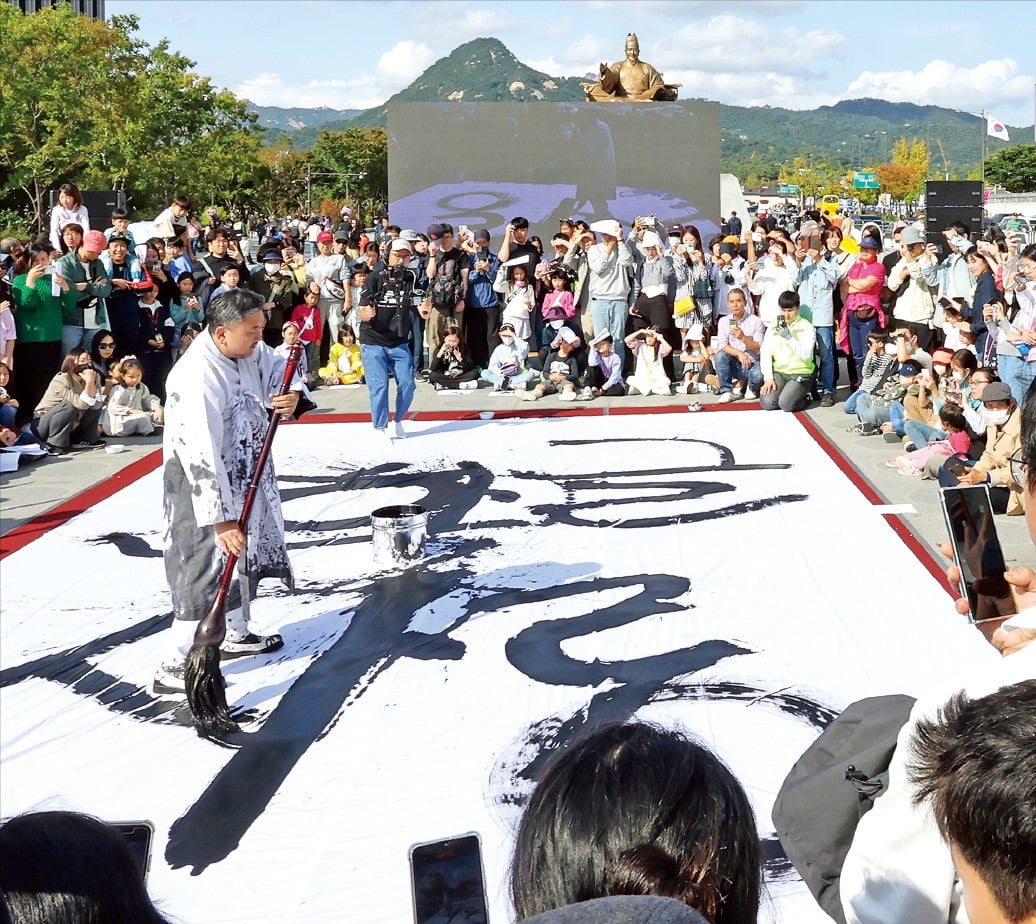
pixel 396 69
pixel 995 85
pixel 445 24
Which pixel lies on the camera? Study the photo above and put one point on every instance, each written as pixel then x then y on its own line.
pixel 728 278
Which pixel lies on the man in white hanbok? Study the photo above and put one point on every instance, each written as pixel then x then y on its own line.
pixel 220 395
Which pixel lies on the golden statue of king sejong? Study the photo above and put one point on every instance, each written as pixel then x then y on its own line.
pixel 630 79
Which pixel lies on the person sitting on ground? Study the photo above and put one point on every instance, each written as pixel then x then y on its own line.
pixel 131 409
pixel 919 406
pixel 786 359
pixel 1003 439
pixel 507 369
pixel 874 410
pixel 649 348
pixel 8 403
pixel 451 368
pixel 560 373
pixel 738 341
pixel 973 763
pixel 66 868
pixel 69 411
pixel 604 368
pixel 695 357
pixel 928 458
pixel 345 365
pixel 663 817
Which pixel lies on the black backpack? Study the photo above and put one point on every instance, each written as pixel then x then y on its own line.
pixel 446 288
pixel 832 786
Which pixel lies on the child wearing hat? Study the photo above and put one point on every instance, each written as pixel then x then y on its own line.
pixel 604 368
pixel 507 370
pixel 290 335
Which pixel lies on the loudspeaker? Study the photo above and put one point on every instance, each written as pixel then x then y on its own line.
pixel 952 200
pixel 99 204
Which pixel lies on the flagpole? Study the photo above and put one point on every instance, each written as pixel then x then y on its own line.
pixel 985 125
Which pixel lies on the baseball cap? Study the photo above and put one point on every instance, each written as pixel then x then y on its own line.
pixel 401 244
pixel 870 243
pixel 94 241
pixel 118 236
pixel 408 234
pixel 341 235
pixel 910 367
pixel 996 391
pixel 911 236
pixel 325 237
pixel 271 256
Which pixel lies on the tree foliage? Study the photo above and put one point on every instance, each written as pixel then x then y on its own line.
pixel 904 175
pixel 339 158
pixel 1013 168
pixel 85 101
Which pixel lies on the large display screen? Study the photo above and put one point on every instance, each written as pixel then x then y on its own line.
pixel 482 164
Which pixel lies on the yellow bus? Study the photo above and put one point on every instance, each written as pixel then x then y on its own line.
pixel 829 205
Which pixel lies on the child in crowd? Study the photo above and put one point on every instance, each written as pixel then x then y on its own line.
pixel 185 308
pixel 360 272
pixel 507 367
pixel 131 409
pixel 289 337
pixel 694 356
pixel 559 303
pixel 179 262
pixel 187 335
pixel 8 331
pixel 229 278
pixel 929 459
pixel 311 328
pixel 649 348
pixel 121 222
pixel 451 368
pixel 517 299
pixel 560 373
pixel 878 365
pixel 155 330
pixel 604 368
pixel 345 365
pixel 8 404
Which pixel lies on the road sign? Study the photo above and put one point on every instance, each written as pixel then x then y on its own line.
pixel 865 179
pixel 787 189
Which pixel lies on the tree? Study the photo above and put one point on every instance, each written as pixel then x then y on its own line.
pixel 1013 168
pixel 903 177
pixel 348 154
pixel 85 101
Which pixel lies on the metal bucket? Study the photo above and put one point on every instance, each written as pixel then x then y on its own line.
pixel 399 534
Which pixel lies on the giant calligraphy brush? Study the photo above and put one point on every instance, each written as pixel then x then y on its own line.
pixel 206 688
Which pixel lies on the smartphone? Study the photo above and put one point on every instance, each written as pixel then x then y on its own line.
pixel 447 881
pixel 138 836
pixel 976 551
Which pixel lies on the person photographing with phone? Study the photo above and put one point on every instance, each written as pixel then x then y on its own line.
pixel 786 360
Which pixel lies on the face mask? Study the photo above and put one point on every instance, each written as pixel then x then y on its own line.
pixel 997 418
pixel 939 370
pixel 272 268
pixel 507 341
pixel 82 367
pixel 958 376
pixel 890 349
pixel 555 325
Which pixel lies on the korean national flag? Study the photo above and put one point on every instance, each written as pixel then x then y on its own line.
pixel 996 129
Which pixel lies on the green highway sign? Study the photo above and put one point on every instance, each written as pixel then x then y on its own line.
pixel 787 189
pixel 864 179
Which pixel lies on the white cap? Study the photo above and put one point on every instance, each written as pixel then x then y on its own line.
pixel 650 239
pixel 401 244
pixel 607 226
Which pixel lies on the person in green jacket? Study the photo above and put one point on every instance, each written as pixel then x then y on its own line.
pixel 92 284
pixel 38 313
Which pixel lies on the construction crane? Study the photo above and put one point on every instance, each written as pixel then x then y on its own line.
pixel 945 162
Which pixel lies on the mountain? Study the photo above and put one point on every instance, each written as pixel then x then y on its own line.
pixel 852 133
pixel 275 119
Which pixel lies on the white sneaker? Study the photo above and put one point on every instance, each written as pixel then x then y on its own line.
pixel 383 435
pixel 529 395
pixel 703 389
pixel 567 395
pixel 468 386
pixel 726 398
pixel 739 392
pixel 169 679
pixel 585 395
pixel 750 395
pixel 400 432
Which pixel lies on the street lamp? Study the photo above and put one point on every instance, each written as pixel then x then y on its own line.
pixel 309 183
pixel 885 147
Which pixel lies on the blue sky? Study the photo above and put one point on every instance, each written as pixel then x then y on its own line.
pixel 354 55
